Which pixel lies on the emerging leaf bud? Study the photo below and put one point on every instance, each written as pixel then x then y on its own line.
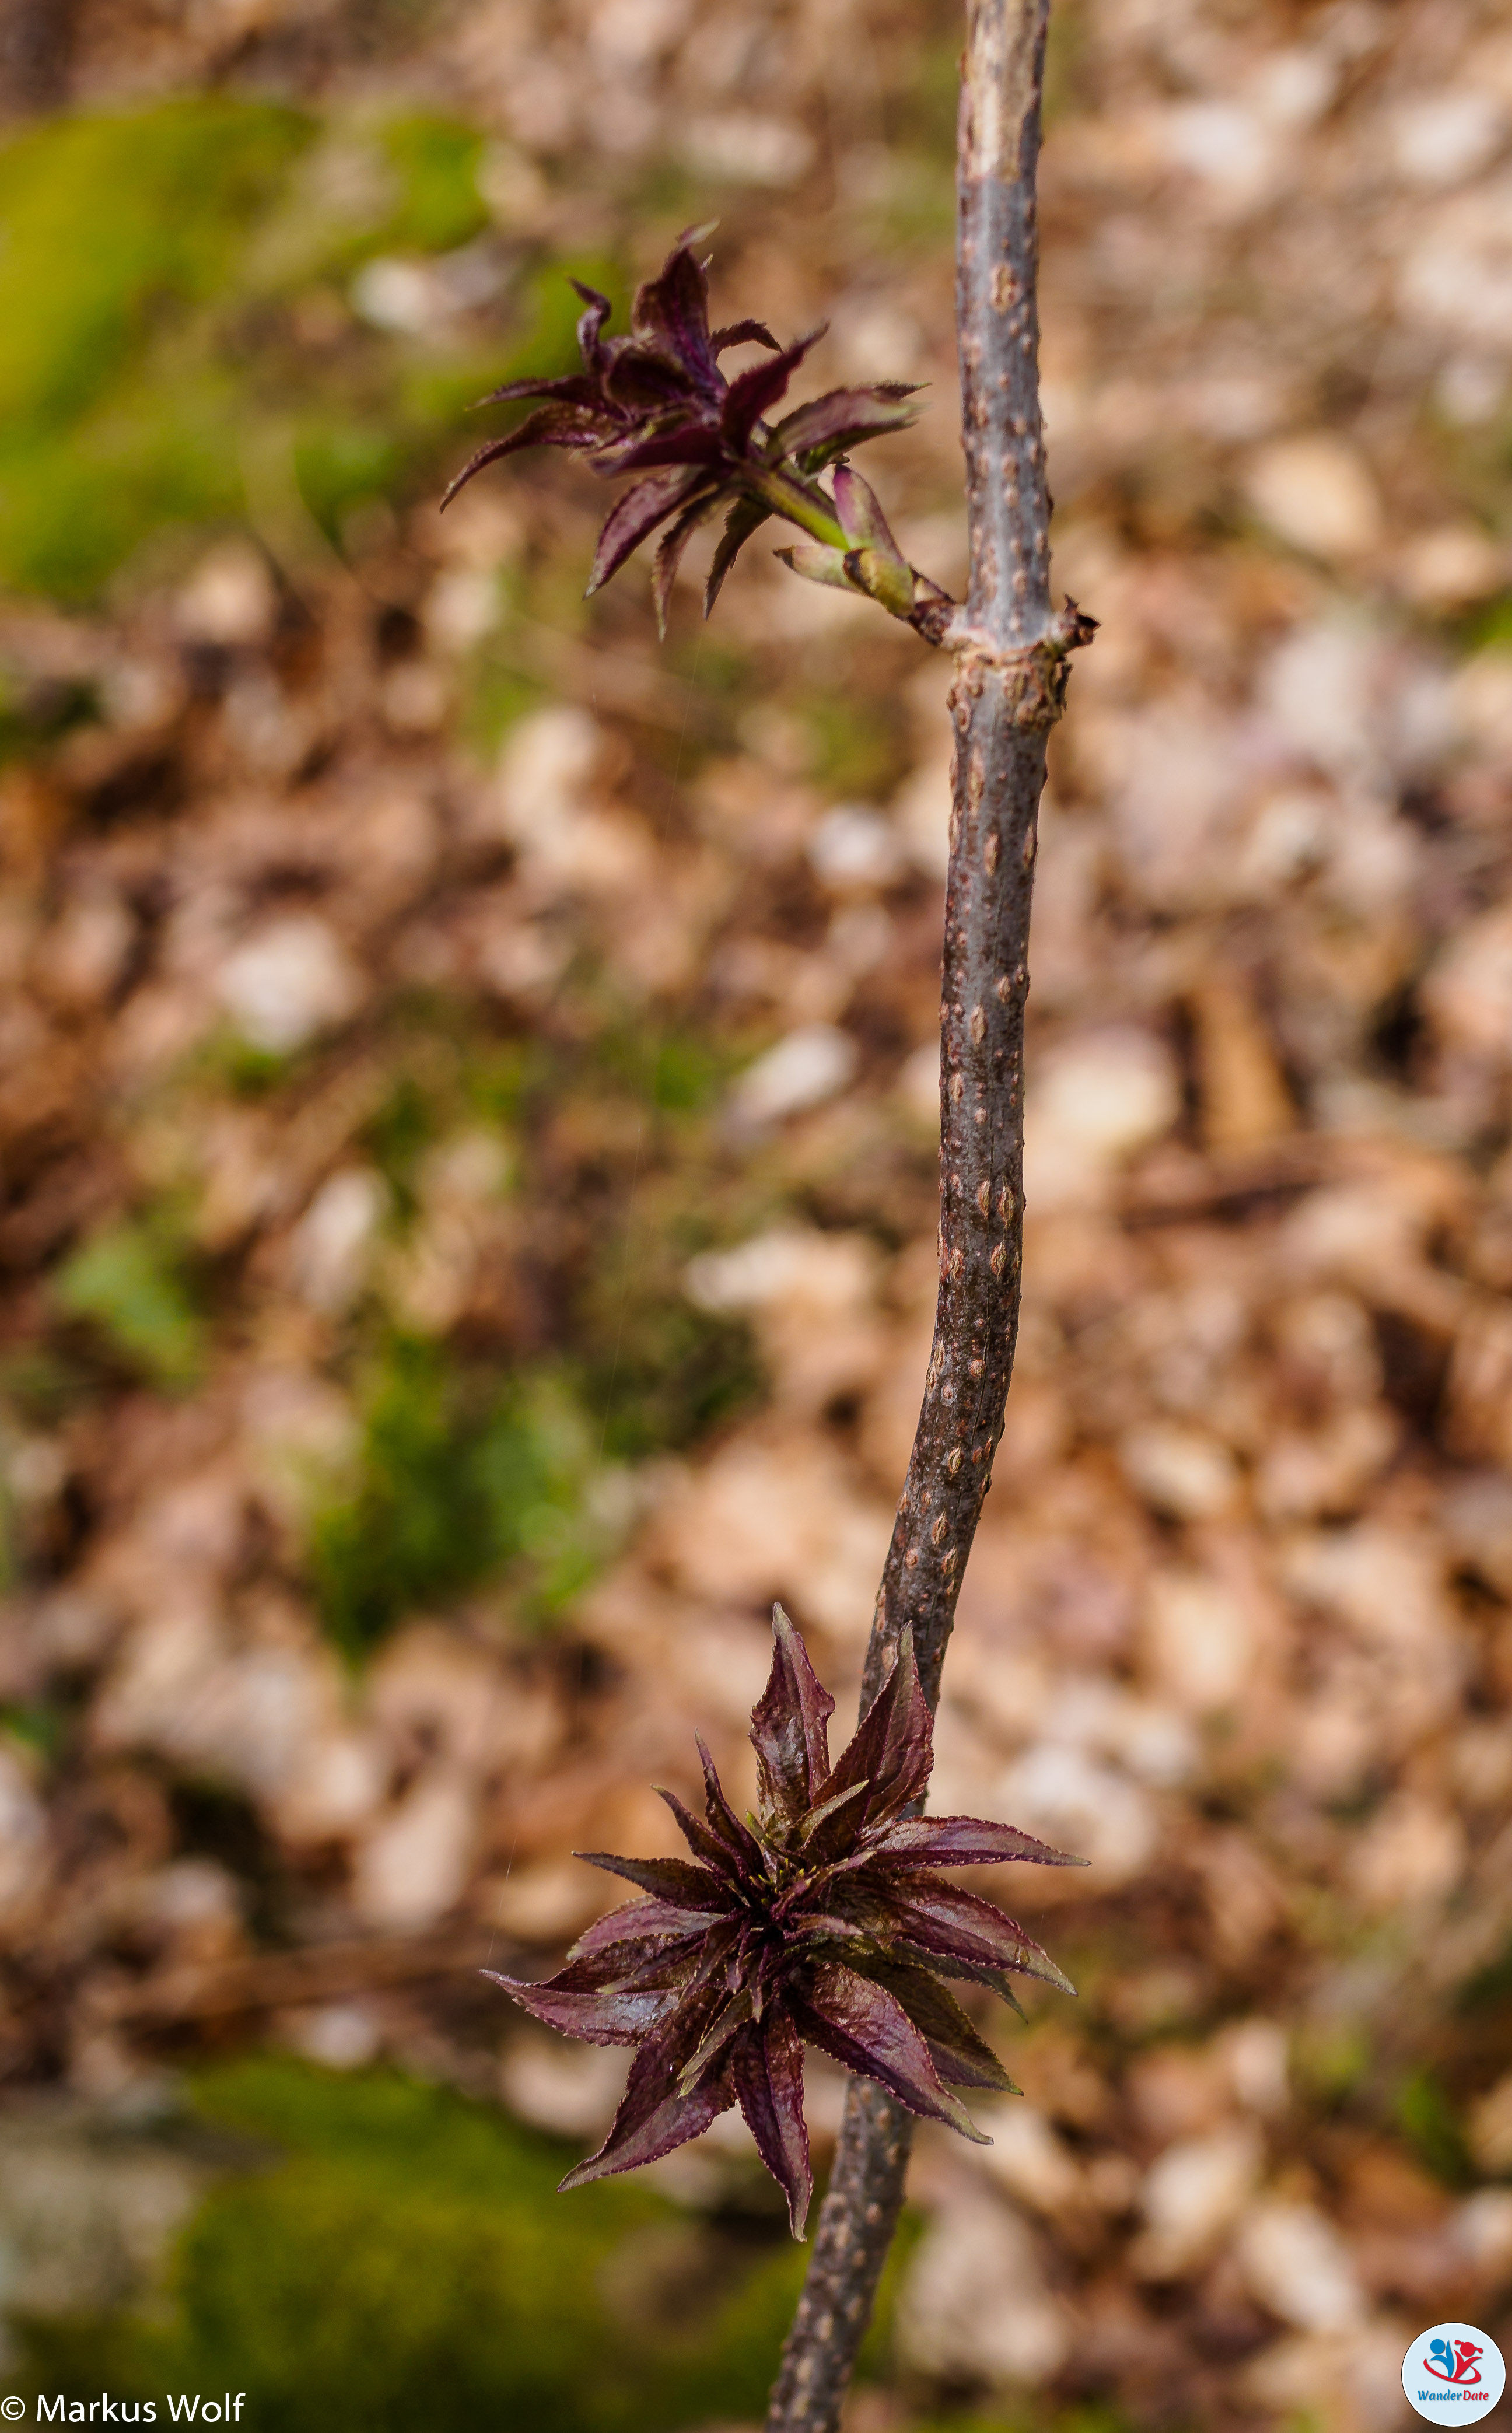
pixel 824 1920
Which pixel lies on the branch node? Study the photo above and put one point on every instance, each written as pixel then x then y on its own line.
pixel 1033 674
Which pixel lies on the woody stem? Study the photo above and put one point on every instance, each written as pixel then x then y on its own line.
pixel 1008 693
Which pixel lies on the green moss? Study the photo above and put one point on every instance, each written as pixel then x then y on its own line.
pixel 401 1132
pixel 680 1072
pixel 444 1076
pixel 77 501
pixel 41 1385
pixel 498 696
pixel 662 1373
pixel 1488 627
pixel 1428 2117
pixel 128 1282
pixel 923 108
pixel 402 2259
pixel 229 1062
pixel 33 714
pixel 856 742
pixel 112 221
pixel 459 1481
pixel 436 161
pixel 551 308
pixel 38 1724
pixel 115 232
pixel 1064 58
pixel 339 463
pixel 153 264
pixel 1332 2058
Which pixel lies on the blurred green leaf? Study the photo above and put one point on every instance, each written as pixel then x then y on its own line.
pixel 128 1284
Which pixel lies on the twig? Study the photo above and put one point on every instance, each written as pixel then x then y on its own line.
pixel 1008 691
pixel 277 1979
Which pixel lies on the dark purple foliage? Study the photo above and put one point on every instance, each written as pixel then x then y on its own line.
pixel 654 403
pixel 820 1921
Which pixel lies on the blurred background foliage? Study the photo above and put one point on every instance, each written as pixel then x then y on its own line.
pixel 389 2254
pixel 180 347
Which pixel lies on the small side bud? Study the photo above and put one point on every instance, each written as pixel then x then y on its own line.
pixel 816 564
pixel 887 580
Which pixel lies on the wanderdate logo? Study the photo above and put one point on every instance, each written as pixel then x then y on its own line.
pixel 1453 2370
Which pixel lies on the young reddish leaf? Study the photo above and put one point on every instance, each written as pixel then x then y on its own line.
pixel 961 2056
pixel 703 1844
pixel 964 1842
pixel 573 388
pixel 634 1968
pixel 654 2128
pixel 893 1748
pixel 737 1838
pixel 590 324
pixel 735 2016
pixel 875 563
pixel 674 1881
pixel 829 1921
pixel 860 514
pixel 997 1981
pixel 635 516
pixel 607 2018
pixel 549 426
pixel 672 312
pixel 654 2118
pixel 767 2072
pixel 827 1935
pixel 827 1832
pixel 745 517
pixel 824 429
pixel 753 391
pixel 669 553
pixel 741 333
pixel 936 1917
pixel 686 442
pixel 639 380
pixel 638 1922
pixel 655 399
pixel 866 2029
pixel 789 1725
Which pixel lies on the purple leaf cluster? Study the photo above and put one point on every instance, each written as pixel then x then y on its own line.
pixel 654 404
pixel 821 1920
